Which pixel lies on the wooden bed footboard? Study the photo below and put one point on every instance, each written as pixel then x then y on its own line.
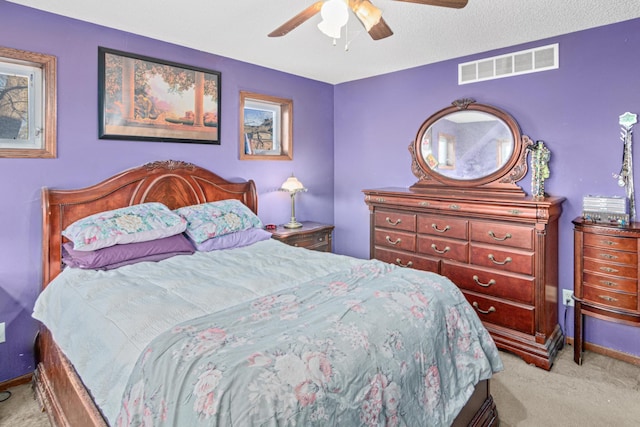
pixel 60 390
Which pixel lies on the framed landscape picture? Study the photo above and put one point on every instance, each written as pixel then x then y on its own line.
pixel 266 127
pixel 147 99
pixel 28 117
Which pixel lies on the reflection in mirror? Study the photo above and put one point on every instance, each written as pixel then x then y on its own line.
pixel 467 145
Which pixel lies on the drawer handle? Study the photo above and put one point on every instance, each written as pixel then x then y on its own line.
pixel 608 298
pixel 608 283
pixel 491 309
pixel 396 222
pixel 444 251
pixel 506 261
pixel 454 207
pixel 608 242
pixel 398 240
pixel 435 227
pixel 484 285
pixel 493 235
pixel 609 269
pixel 320 239
pixel 608 256
pixel 407 265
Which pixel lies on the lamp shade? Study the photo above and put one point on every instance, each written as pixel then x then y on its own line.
pixel 292 185
pixel 369 14
pixel 335 15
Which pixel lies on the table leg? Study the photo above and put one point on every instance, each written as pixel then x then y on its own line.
pixel 577 333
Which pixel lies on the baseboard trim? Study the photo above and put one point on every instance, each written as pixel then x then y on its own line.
pixel 24 379
pixel 614 354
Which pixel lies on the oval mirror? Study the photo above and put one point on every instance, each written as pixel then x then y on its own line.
pixel 469 146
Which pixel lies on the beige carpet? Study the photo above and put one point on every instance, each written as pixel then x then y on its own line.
pixel 602 392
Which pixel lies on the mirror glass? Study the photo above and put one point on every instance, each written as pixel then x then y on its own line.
pixel 467 145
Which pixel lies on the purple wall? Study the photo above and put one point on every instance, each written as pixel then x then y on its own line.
pixel 83 159
pixel 574 109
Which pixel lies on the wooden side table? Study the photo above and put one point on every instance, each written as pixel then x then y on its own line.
pixel 312 235
pixel 605 275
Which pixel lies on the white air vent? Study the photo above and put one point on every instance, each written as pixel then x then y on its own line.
pixel 512 64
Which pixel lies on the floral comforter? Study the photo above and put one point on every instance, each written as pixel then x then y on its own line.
pixel 372 345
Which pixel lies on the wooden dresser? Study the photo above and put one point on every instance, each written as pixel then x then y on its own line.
pixel 605 275
pixel 502 252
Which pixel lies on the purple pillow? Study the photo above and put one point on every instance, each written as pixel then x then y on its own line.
pixel 125 254
pixel 233 240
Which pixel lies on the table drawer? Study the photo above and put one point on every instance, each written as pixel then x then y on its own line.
pixel 490 282
pixel 496 233
pixel 444 248
pixel 395 239
pixel 395 220
pixel 317 242
pixel 609 255
pixel 502 259
pixel 610 282
pixel 404 259
pixel 519 317
pixel 609 298
pixel 610 242
pixel 610 268
pixel 453 228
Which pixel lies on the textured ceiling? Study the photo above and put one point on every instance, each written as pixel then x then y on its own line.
pixel 422 34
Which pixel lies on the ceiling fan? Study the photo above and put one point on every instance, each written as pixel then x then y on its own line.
pixel 368 15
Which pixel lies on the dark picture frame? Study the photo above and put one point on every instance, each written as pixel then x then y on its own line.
pixel 148 99
pixel 266 127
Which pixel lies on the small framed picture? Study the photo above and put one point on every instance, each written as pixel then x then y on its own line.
pixel 28 116
pixel 266 127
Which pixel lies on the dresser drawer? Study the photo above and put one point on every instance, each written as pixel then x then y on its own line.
pixel 490 282
pixel 610 282
pixel 610 299
pixel 453 228
pixel 502 259
pixel 610 268
pixel 395 239
pixel 495 233
pixel 444 248
pixel 519 317
pixel 406 259
pixel 609 255
pixel 610 242
pixel 395 220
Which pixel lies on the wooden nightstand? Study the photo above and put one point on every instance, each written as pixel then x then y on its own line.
pixel 311 235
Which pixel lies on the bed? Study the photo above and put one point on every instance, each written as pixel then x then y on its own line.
pixel 295 283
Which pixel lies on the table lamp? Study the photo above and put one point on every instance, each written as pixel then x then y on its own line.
pixel 292 186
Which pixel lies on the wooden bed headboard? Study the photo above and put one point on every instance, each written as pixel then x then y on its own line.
pixel 174 183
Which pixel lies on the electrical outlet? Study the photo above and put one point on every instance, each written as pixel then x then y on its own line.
pixel 2 336
pixel 567 296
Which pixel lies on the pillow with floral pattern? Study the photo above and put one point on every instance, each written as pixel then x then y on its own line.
pixel 136 223
pixel 213 219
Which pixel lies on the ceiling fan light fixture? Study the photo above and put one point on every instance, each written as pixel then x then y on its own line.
pixel 335 15
pixel 368 14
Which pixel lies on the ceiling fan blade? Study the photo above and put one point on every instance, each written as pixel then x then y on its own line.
pixel 294 22
pixel 456 4
pixel 371 18
pixel 380 31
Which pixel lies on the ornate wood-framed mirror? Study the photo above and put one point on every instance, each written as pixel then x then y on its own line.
pixel 470 147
